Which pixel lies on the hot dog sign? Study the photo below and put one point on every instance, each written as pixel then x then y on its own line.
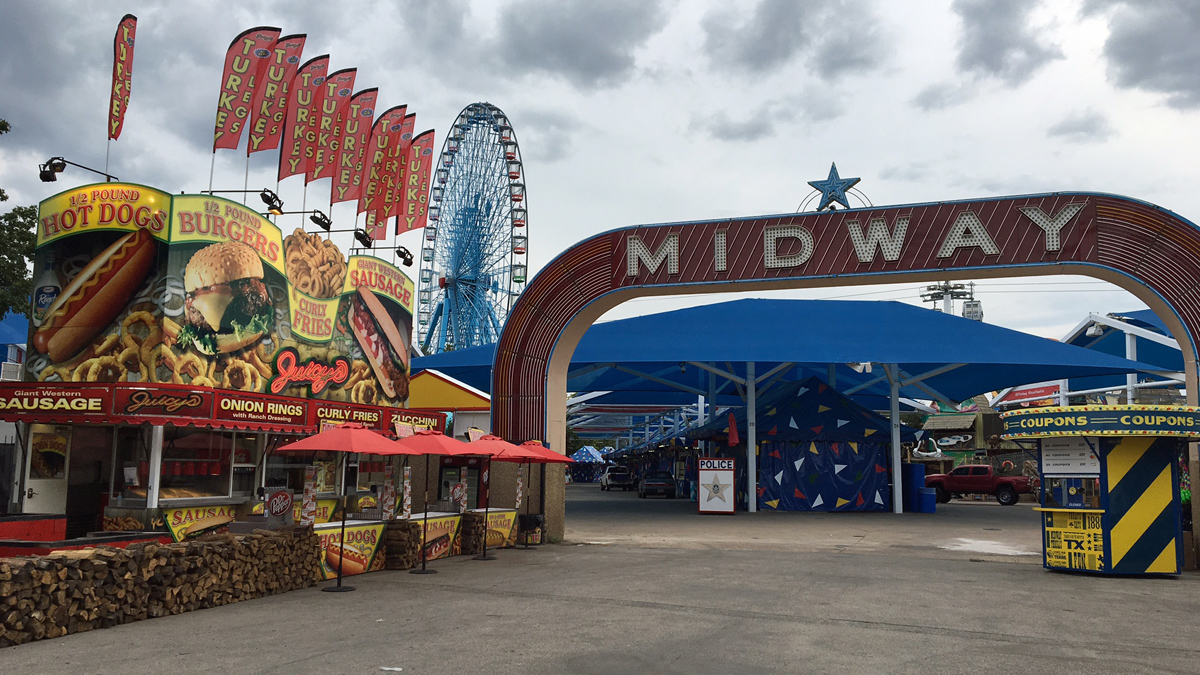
pixel 135 285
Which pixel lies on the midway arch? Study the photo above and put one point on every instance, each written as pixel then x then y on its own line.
pixel 1146 250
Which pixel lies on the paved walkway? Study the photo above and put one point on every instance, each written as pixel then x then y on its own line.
pixel 866 598
pixel 959 530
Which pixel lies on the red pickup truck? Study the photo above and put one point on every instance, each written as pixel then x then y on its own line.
pixel 980 479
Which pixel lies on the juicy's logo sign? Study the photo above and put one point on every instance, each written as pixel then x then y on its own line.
pixel 143 400
pixel 290 371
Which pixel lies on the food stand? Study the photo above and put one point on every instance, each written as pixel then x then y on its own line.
pixel 1110 494
pixel 177 340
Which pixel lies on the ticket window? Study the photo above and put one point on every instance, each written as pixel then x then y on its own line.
pixel 1073 492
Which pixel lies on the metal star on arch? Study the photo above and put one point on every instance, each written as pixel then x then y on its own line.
pixel 833 188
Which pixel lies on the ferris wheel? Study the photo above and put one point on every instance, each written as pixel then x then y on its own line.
pixel 474 260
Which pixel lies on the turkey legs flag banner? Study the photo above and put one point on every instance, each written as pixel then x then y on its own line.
pixel 413 208
pixel 393 176
pixel 733 433
pixel 122 78
pixel 245 63
pixel 271 94
pixel 304 91
pixel 335 93
pixel 354 134
pixel 379 156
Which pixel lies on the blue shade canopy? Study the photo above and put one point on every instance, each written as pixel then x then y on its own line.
pixel 937 354
pixel 1112 341
pixel 587 454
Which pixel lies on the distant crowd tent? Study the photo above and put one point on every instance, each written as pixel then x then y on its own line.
pixel 818 450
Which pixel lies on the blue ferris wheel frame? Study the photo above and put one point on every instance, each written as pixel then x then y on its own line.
pixel 474 261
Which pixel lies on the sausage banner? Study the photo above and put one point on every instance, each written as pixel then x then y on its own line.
pixel 122 76
pixel 246 61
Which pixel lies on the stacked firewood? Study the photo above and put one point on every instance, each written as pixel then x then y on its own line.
pixel 401 545
pixel 473 529
pixel 75 591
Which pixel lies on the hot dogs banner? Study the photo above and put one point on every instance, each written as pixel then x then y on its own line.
pixel 135 285
pixel 358 553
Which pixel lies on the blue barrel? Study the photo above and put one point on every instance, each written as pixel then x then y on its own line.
pixel 912 477
pixel 928 500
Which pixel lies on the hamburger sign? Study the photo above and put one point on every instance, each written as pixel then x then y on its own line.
pixel 136 285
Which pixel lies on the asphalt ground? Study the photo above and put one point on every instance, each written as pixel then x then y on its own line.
pixel 798 593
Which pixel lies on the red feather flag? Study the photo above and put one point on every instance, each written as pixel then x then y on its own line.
pixel 733 434
pixel 414 207
pixel 122 78
pixel 393 179
pixel 271 94
pixel 380 156
pixel 335 94
pixel 245 62
pixel 303 92
pixel 353 135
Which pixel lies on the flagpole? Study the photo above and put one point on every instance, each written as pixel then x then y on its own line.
pixel 107 151
pixel 212 167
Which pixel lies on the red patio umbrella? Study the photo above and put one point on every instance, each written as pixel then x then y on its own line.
pixel 346 438
pixel 430 442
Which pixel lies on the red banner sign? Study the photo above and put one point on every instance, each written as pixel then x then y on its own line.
pixel 158 401
pixel 122 76
pixel 414 207
pixel 271 94
pixel 257 409
pixel 335 94
pixel 378 152
pixel 353 135
pixel 326 413
pixel 297 132
pixel 179 405
pixel 393 191
pixel 245 63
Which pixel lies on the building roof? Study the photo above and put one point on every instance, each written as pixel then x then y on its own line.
pixel 950 422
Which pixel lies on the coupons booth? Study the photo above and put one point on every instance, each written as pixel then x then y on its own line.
pixel 1110 495
pixel 177 339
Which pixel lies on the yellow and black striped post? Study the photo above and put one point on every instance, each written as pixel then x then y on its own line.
pixel 1142 516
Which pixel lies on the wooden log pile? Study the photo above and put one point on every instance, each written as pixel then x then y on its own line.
pixel 473 529
pixel 401 545
pixel 75 591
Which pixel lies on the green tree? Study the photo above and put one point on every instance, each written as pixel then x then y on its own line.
pixel 17 231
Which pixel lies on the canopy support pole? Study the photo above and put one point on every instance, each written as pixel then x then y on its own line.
pixel 751 441
pixel 893 376
pixel 156 454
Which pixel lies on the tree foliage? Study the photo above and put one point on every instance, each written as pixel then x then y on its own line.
pixel 17 234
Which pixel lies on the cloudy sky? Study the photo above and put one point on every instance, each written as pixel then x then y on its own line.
pixel 636 111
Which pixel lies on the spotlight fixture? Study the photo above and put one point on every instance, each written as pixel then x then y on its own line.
pixel 49 171
pixel 272 200
pixel 405 255
pixel 682 367
pixel 363 238
pixel 1094 330
pixel 321 220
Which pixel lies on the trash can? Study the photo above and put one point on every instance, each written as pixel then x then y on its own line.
pixel 928 500
pixel 912 478
pixel 529 528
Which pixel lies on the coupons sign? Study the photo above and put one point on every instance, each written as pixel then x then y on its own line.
pixel 715 477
